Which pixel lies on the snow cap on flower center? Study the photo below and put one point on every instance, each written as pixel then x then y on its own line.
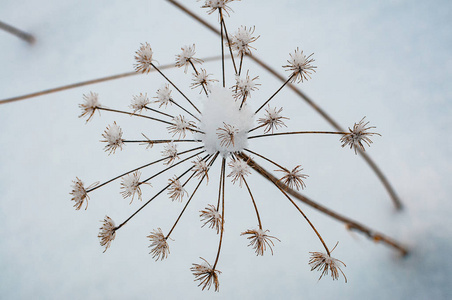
pixel 224 124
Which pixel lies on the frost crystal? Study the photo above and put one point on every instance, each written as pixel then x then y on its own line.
pixel 220 109
pixel 139 102
pixel 210 215
pixel 113 138
pixel 358 135
pixel 239 169
pixel 131 185
pixel 90 105
pixel 242 39
pixel 259 240
pixel 144 58
pixel 176 190
pixel 300 65
pixel 244 86
pixel 107 232
pixel 186 57
pixel 159 246
pixel 272 120
pixel 180 126
pixel 170 151
pixel 163 95
pixel 202 79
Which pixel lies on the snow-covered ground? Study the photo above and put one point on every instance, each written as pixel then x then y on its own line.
pixel 387 60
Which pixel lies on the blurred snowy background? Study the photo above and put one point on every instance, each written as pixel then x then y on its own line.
pixel 387 60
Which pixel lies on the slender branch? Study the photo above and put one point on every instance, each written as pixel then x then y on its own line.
pixel 191 197
pixel 395 198
pixel 222 49
pixel 351 224
pixel 88 82
pixel 267 159
pixel 159 112
pixel 158 141
pixel 220 188
pixel 149 201
pixel 196 72
pixel 254 203
pixel 132 114
pixel 139 168
pixel 17 32
pixel 172 166
pixel 180 92
pixel 181 107
pixel 241 62
pixel 229 42
pixel 269 99
pixel 222 212
pixel 257 127
pixel 296 132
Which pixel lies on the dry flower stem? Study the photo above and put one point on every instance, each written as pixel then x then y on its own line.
pixel 88 82
pixel 222 52
pixel 282 86
pixel 196 72
pixel 351 224
pixel 296 132
pixel 159 112
pixel 139 168
pixel 223 167
pixel 267 159
pixel 222 23
pixel 180 92
pixel 149 201
pixel 17 32
pixel 254 203
pixel 173 165
pixel 158 141
pixel 370 162
pixel 191 197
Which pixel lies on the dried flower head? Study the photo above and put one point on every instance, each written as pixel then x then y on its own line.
pixel 259 240
pixel 113 138
pixel 272 119
pixel 325 263
pixel 210 215
pixel 206 274
pixel 79 193
pixel 244 86
pixel 241 40
pixel 163 95
pixel 144 59
pixel 202 79
pixel 239 169
pixel 358 135
pixel 200 168
pixel 294 178
pixel 176 190
pixel 90 106
pixel 159 246
pixel 170 151
pixel 186 57
pixel 130 185
pixel 107 232
pixel 226 135
pixel 213 5
pixel 180 126
pixel 300 65
pixel 139 102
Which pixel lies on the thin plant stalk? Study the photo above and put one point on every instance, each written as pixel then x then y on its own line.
pixel 351 224
pixel 191 197
pixel 88 82
pixel 149 201
pixel 296 132
pixel 223 166
pixel 17 32
pixel 222 23
pixel 139 168
pixel 271 97
pixel 222 49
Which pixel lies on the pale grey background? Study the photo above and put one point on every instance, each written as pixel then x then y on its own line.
pixel 387 60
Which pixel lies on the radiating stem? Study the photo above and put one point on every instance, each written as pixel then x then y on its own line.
pixel 158 141
pixel 181 107
pixel 155 196
pixel 191 197
pixel 132 114
pixel 223 166
pixel 241 62
pixel 254 203
pixel 196 72
pixel 351 224
pixel 159 112
pixel 257 127
pixel 222 49
pixel 180 92
pixel 229 42
pixel 284 84
pixel 139 168
pixel 267 159
pixel 172 166
pixel 296 132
